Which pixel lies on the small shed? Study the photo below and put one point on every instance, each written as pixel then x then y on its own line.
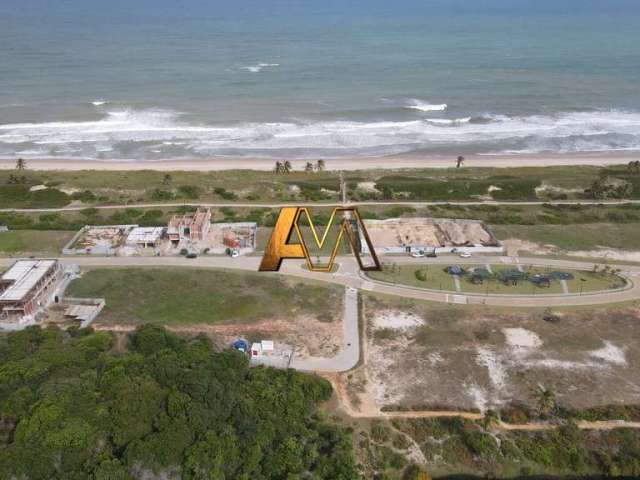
pixel 256 349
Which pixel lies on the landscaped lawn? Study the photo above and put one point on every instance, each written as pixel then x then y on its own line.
pixel 189 296
pixel 438 279
pixel 36 242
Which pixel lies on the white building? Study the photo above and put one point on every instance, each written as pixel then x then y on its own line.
pixel 26 287
pixel 145 236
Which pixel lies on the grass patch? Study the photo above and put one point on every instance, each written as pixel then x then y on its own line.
pixel 578 237
pixel 40 242
pixel 435 277
pixel 190 296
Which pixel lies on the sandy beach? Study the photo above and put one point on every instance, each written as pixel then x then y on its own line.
pixel 370 163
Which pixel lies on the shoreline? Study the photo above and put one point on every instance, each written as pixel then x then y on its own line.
pixel 364 163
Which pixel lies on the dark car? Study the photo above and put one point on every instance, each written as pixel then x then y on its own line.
pixel 192 255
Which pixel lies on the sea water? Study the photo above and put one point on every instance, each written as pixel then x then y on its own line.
pixel 164 79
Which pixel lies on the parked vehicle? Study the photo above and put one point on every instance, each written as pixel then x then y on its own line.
pixel 418 254
pixel 191 255
pixel 465 255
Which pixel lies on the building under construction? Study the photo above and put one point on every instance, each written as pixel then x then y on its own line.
pixel 26 287
pixel 406 235
pixel 191 228
pixel 238 236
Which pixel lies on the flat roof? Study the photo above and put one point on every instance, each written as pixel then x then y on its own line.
pixel 145 234
pixel 24 274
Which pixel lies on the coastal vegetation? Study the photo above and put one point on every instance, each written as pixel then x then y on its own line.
pixel 454 446
pixel 291 182
pixel 71 407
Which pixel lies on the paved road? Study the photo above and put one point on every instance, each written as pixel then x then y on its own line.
pixel 321 204
pixel 350 353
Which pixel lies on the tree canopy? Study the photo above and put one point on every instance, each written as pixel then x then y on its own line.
pixel 72 409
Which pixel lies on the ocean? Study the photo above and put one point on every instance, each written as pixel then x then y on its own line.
pixel 166 79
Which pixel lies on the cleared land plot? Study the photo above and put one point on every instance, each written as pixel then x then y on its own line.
pixel 40 242
pixel 434 277
pixel 428 356
pixel 204 296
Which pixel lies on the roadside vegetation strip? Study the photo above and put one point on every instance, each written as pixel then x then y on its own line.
pixel 324 203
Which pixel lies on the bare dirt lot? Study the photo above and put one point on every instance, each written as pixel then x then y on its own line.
pixel 425 356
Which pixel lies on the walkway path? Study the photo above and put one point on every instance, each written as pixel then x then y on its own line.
pixel 350 353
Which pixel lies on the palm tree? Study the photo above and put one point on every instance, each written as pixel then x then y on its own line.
pixel 21 164
pixel 166 180
pixel 287 167
pixel 459 161
pixel 308 167
pixel 278 167
pixel 320 165
pixel 546 399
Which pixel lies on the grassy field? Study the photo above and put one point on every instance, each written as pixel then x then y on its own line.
pixel 435 278
pixel 191 296
pixel 33 242
pixel 578 237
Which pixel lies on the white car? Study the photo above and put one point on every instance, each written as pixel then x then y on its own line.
pixel 235 253
pixel 418 254
pixel 465 255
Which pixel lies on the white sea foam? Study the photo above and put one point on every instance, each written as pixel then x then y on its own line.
pixel 133 133
pixel 259 67
pixel 449 122
pixel 423 106
pixel 98 103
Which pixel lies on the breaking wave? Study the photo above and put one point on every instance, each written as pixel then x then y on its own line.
pixel 423 106
pixel 259 67
pixel 163 134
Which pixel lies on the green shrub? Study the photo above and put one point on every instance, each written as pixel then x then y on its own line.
pixel 225 194
pixel 84 196
pixel 161 195
pixel 19 196
pixel 189 191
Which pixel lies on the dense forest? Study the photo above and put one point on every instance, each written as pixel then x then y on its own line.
pixel 71 408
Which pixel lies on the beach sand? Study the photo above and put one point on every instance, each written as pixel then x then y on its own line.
pixel 391 162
